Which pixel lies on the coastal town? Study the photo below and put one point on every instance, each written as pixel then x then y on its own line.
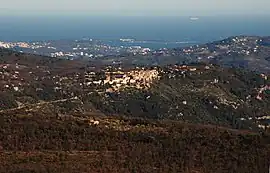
pixel 96 48
pixel 73 49
pixel 252 52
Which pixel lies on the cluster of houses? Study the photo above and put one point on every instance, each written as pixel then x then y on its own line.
pixel 10 77
pixel 12 45
pixel 185 70
pixel 16 78
pixel 117 80
pixel 261 92
pixel 140 78
pixel 264 89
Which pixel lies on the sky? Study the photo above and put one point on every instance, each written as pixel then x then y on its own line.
pixel 135 7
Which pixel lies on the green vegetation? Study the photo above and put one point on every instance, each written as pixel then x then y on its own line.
pixel 46 144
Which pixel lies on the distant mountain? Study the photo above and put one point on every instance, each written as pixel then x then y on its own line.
pixel 249 52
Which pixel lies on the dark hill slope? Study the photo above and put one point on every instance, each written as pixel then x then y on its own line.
pixel 10 57
pixel 43 143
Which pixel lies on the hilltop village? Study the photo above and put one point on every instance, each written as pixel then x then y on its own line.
pixel 117 80
pixel 18 77
pixel 196 92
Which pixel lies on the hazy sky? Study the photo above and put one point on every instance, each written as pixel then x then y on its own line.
pixel 135 7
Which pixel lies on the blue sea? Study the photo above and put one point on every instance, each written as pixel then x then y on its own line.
pixel 153 32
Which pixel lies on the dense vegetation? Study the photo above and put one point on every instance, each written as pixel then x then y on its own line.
pixel 36 143
pixel 162 129
pixel 194 97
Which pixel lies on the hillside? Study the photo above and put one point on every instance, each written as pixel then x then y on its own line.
pixel 71 116
pixel 197 93
pixel 216 95
pixel 248 52
pixel 41 142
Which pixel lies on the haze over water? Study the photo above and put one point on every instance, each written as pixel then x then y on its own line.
pixel 175 31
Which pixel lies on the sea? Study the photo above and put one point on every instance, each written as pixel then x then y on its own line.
pixel 152 32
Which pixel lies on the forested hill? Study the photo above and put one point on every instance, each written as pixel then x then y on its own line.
pixel 72 116
pixel 195 93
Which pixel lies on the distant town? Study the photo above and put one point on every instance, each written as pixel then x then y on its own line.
pixel 252 51
pixel 84 48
